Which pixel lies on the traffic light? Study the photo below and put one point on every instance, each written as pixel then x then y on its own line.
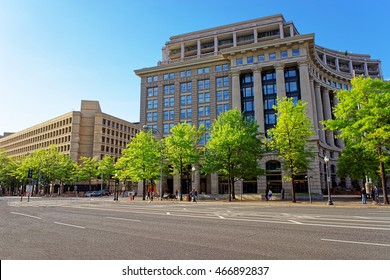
pixel 30 171
pixel 116 182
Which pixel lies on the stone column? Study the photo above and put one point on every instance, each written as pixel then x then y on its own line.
pixel 234 39
pixel 324 58
pixel 306 94
pixel 320 114
pixel 198 48
pixel 215 44
pixel 350 67
pixel 314 106
pixel 196 179
pixel 280 84
pixel 337 64
pixel 365 69
pixel 291 31
pixel 327 116
pixel 255 35
pixel 182 49
pixel 236 95
pixel 258 99
pixel 281 30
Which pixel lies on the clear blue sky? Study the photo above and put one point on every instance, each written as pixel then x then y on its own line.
pixel 54 53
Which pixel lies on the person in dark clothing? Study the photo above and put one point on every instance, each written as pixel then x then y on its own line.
pixel 373 195
pixel 364 195
pixel 266 193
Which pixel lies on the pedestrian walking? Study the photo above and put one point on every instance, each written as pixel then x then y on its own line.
pixel 266 193
pixel 282 193
pixel 373 195
pixel 376 191
pixel 364 195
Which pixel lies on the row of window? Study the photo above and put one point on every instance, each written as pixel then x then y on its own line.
pixel 204 97
pixel 270 56
pixel 187 86
pixel 41 130
pixel 111 150
pixel 114 141
pixel 186 113
pixel 119 126
pixel 188 73
pixel 115 133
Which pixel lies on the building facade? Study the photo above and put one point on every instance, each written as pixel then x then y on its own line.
pixel 248 65
pixel 88 132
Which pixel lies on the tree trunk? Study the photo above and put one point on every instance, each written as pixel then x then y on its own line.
pixel 292 188
pixel 383 177
pixel 143 188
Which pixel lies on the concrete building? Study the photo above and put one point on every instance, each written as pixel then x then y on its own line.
pixel 247 65
pixel 88 132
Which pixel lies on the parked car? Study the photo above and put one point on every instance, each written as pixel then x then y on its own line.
pixel 90 194
pixel 102 193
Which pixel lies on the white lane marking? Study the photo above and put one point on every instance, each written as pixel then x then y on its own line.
pixel 68 225
pixel 123 219
pixel 361 217
pixel 221 217
pixel 21 214
pixel 168 213
pixel 295 222
pixel 230 219
pixel 356 242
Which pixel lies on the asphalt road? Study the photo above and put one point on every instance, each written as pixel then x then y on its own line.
pixel 99 228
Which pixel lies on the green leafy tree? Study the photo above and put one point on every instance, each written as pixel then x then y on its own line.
pixel 182 150
pixel 48 165
pixel 356 163
pixel 140 161
pixel 234 149
pixel 7 171
pixel 106 168
pixel 363 118
pixel 289 138
pixel 87 170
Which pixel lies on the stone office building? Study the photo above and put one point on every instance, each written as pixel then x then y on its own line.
pixel 247 65
pixel 88 132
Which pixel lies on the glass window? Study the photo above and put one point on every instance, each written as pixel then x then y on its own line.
pixel 249 59
pixel 225 67
pixel 218 68
pixel 269 103
pixel 185 100
pixel 204 97
pixel 269 89
pixel 247 92
pixel 290 72
pixel 169 89
pixel 222 95
pixel 248 106
pixel 291 86
pixel 283 54
pixel 186 87
pixel 204 111
pixel 270 118
pixel 203 84
pixel 150 79
pixel 169 102
pixel 272 56
pixel 295 52
pixel 239 61
pixel 261 58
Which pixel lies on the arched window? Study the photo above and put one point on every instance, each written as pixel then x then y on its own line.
pixel 274 175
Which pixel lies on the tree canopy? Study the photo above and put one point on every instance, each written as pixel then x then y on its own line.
pixel 234 149
pixel 289 138
pixel 363 118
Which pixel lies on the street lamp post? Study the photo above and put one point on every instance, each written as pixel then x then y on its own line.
pixel 308 185
pixel 161 158
pixel 326 160
pixel 116 187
